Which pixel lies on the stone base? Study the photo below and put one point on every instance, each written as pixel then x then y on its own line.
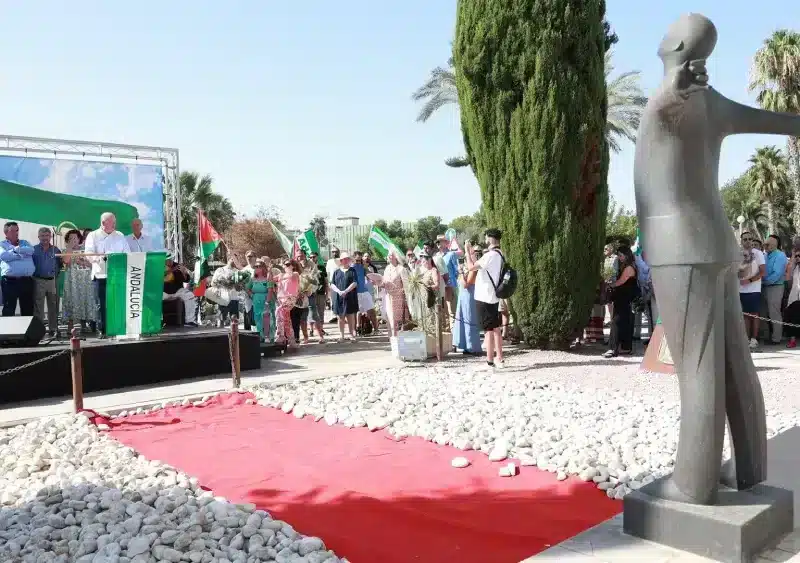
pixel 735 530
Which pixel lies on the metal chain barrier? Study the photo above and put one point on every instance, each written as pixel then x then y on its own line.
pixel 34 362
pixel 752 316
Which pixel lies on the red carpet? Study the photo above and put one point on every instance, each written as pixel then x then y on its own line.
pixel 370 498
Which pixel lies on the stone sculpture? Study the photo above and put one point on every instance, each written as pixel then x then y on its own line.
pixel 693 256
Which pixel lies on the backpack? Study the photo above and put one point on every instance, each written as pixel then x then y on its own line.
pixel 507 284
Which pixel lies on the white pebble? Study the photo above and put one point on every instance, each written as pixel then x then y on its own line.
pixel 460 462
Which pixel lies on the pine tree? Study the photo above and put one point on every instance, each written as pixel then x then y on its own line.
pixel 531 86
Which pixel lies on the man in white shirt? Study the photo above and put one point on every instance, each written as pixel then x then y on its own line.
pixel 752 269
pixel 140 242
pixel 487 304
pixel 105 240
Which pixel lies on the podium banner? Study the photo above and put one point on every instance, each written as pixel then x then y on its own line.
pixel 134 292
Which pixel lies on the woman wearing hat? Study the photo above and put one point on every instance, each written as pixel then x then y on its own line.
pixel 345 299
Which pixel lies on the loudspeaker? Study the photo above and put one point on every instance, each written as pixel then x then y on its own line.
pixel 21 331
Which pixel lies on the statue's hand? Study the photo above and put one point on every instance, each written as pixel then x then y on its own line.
pixel 691 77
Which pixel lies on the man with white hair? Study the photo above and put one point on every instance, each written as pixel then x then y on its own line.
pixel 105 240
pixel 140 242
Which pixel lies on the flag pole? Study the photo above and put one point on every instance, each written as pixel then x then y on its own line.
pixel 199 268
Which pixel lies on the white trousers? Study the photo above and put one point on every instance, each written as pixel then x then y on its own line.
pixel 189 303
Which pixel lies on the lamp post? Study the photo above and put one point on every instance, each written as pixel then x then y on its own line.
pixel 740 220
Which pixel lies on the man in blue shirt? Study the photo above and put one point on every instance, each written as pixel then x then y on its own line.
pixel 772 286
pixel 16 269
pixel 47 266
pixel 449 259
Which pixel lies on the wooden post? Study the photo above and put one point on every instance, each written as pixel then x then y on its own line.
pixel 76 356
pixel 237 378
pixel 439 330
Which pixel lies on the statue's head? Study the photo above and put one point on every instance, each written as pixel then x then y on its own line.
pixel 691 37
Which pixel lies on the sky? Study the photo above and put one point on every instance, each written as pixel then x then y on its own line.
pixel 307 106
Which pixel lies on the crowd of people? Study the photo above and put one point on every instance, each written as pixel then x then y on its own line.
pixel 285 300
pixel 451 287
pixel 51 283
pixel 770 290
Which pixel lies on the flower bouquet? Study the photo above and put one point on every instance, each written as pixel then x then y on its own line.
pixel 308 283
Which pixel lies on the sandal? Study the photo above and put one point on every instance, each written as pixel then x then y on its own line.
pixel 610 354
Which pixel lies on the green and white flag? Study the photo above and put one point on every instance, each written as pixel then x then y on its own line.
pixel 418 250
pixel 134 292
pixel 382 244
pixel 308 242
pixel 283 240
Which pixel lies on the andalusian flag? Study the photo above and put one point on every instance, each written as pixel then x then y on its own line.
pixel 637 245
pixel 134 291
pixel 382 244
pixel 308 242
pixel 418 249
pixel 284 241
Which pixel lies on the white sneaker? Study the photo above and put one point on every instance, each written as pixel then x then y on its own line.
pixel 753 344
pixel 500 365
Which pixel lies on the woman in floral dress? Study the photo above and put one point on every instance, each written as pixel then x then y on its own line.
pixel 79 299
pixel 393 282
pixel 288 292
pixel 431 280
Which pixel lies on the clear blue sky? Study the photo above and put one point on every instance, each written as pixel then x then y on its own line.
pixel 306 105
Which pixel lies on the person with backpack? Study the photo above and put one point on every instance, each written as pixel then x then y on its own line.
pixel 623 293
pixel 495 280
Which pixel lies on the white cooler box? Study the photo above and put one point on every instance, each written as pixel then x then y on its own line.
pixel 410 346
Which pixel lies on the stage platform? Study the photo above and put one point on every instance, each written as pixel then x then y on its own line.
pixel 176 354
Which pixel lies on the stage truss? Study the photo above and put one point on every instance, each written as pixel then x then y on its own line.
pixel 168 159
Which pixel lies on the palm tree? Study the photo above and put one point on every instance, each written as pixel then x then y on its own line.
pixel 198 193
pixel 437 92
pixel 769 177
pixel 776 77
pixel 320 228
pixel 626 102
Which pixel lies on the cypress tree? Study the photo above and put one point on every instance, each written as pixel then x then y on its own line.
pixel 532 93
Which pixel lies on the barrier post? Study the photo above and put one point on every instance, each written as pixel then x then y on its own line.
pixel 237 378
pixel 439 330
pixel 76 357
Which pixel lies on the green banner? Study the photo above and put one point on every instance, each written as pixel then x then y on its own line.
pixel 32 205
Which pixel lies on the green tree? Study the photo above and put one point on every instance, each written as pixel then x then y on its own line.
pixel 437 92
pixel 740 200
pixel 427 228
pixel 470 227
pixel 533 112
pixel 626 101
pixel 320 228
pixel 776 78
pixel 621 222
pixel 770 180
pixel 198 193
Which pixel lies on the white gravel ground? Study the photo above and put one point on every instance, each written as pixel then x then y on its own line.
pixel 568 413
pixel 70 493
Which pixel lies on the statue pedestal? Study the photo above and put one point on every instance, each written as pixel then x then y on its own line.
pixel 735 530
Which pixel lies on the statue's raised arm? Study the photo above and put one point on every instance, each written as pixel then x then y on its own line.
pixel 735 118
